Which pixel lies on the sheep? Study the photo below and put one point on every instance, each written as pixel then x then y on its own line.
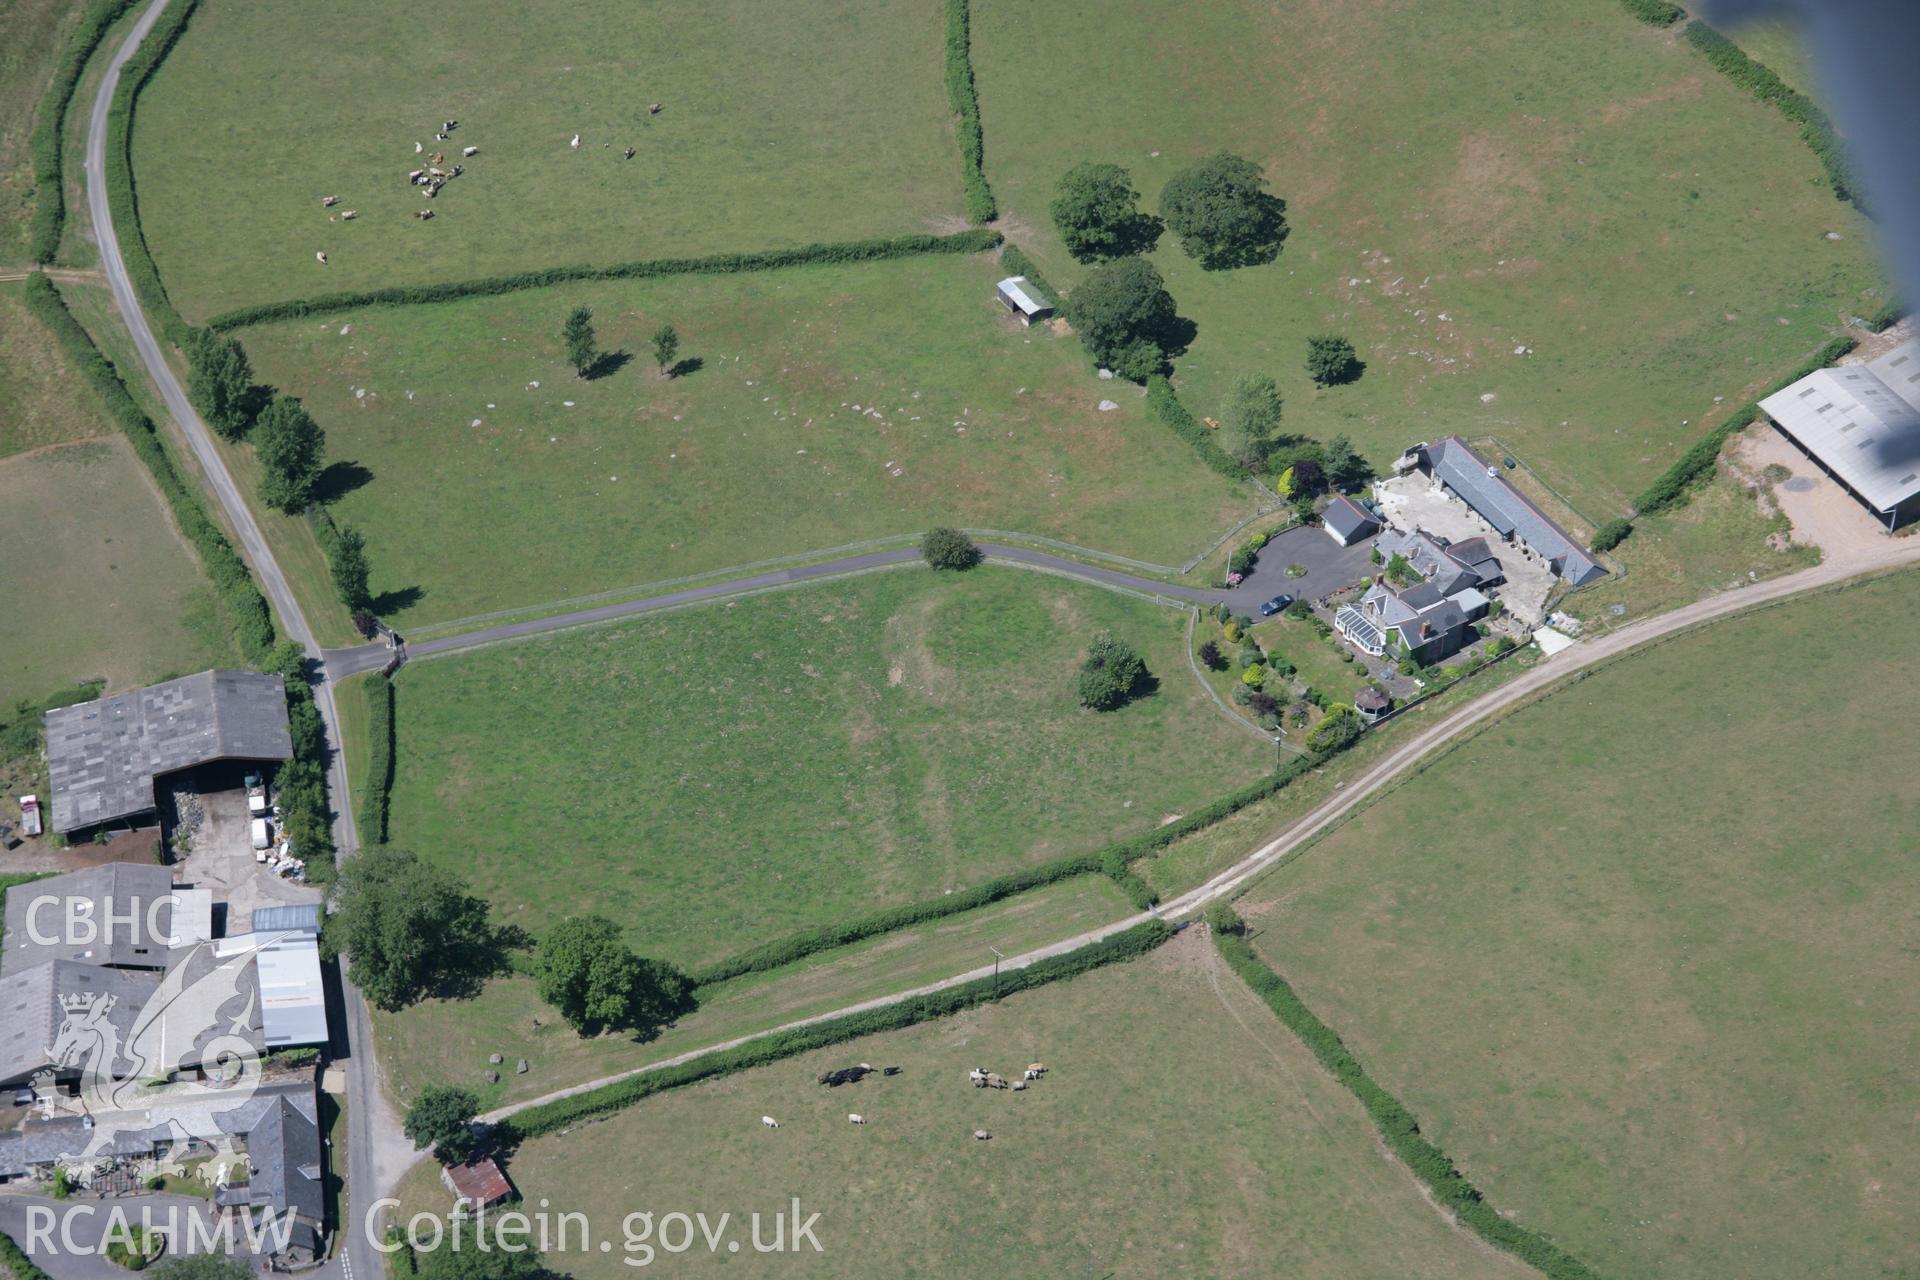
pixel 470 151
pixel 575 144
pixel 855 1119
pixel 327 202
pixel 770 1122
pixel 321 258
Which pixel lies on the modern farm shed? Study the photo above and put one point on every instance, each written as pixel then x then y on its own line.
pixel 1023 299
pixel 103 756
pixel 1861 424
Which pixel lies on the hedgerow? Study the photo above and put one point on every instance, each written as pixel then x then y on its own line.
pixel 375 797
pixel 246 608
pixel 966 105
pixel 1610 535
pixel 559 1114
pixel 1114 860
pixel 1670 489
pixel 122 198
pixel 17 1261
pixel 1396 1124
pixel 49 129
pixel 1657 12
pixel 977 240
pixel 1816 129
pixel 1019 264
pixel 1885 317
pixel 1163 404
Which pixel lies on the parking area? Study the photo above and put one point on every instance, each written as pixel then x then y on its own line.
pixel 220 857
pixel 1329 567
pixel 1415 502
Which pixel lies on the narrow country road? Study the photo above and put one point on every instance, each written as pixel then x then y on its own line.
pixel 371 1122
pixel 1893 554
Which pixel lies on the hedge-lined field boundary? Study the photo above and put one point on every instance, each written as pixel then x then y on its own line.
pixel 246 608
pixel 122 198
pixel 49 129
pixel 1114 860
pixel 1164 405
pixel 978 240
pixel 1658 13
pixel 604 1101
pixel 965 102
pixel 1670 489
pixel 1816 129
pixel 1397 1125
pixel 376 795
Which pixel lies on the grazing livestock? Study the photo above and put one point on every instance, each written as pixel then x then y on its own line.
pixel 348 215
pixel 424 214
pixel 321 258
pixel 995 1080
pixel 1035 1070
pixel 889 1071
pixel 439 137
pixel 843 1075
pixel 854 1119
pixel 575 144
pixel 981 1135
pixel 770 1122
pixel 450 125
pixel 1019 1086
pixel 653 109
pixel 439 157
pixel 417 148
pixel 414 176
pixel 628 153
pixel 327 202
pixel 470 151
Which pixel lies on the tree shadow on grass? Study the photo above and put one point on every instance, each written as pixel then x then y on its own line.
pixel 692 364
pixel 606 364
pixel 338 480
pixel 388 603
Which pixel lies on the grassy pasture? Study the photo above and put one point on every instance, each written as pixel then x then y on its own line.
pixel 1181 1131
pixel 1551 175
pixel 41 403
pixel 1640 955
pixel 725 776
pixel 782 124
pixel 485 493
pixel 32 35
pixel 96 580
pixel 441 1041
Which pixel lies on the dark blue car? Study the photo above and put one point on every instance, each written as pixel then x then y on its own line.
pixel 1275 605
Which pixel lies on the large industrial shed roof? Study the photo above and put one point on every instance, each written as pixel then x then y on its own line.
pixel 103 756
pixel 1862 422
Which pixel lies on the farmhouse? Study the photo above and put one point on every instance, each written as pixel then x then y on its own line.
pixel 1455 467
pixel 1429 619
pixel 103 756
pixel 1023 299
pixel 1347 522
pixel 1861 425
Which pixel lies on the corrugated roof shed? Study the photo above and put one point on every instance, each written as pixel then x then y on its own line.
pixel 293 1003
pixel 303 915
pixel 1862 421
pixel 1017 291
pixel 477 1183
pixel 103 756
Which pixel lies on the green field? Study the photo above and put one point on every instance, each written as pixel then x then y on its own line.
pixel 41 403
pixel 728 775
pixel 449 1041
pixel 1640 956
pixel 781 124
pixel 1180 1131
pixel 1543 173
pixel 97 582
pixel 482 492
pixel 32 35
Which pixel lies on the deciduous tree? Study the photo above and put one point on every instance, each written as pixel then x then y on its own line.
pixel 442 1118
pixel 1223 214
pixel 1097 213
pixel 1330 360
pixel 596 981
pixel 1125 317
pixel 946 548
pixel 583 350
pixel 666 346
pixel 290 445
pixel 1249 419
pixel 1111 674
pixel 220 382
pixel 410 929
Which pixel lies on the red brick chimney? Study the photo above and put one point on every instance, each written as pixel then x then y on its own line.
pixel 1426 629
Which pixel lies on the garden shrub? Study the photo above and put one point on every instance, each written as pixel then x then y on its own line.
pixel 594 1103
pixel 1669 489
pixel 1885 316
pixel 1340 729
pixel 248 617
pixel 1610 535
pixel 1658 13
pixel 1255 675
pixel 1222 918
pixel 1816 129
pixel 975 241
pixel 965 103
pixel 49 129
pixel 1165 406
pixel 1397 1125
pixel 945 548
pixel 14 1259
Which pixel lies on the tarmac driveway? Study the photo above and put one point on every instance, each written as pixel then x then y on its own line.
pixel 1329 566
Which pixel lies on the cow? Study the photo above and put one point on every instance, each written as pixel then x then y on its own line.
pixel 417 148
pixel 770 1122
pixel 653 109
pixel 440 137
pixel 855 1119
pixel 327 202
pixel 889 1071
pixel 424 214
pixel 414 176
pixel 321 258
pixel 575 144
pixel 1035 1070
pixel 348 215
pixel 628 153
pixel 981 1135
pixel 1019 1086
pixel 450 125
pixel 995 1080
pixel 470 151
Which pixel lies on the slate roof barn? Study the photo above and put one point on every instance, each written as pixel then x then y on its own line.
pixel 1861 424
pixel 31 1011
pixel 103 756
pixel 1454 463
pixel 120 914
